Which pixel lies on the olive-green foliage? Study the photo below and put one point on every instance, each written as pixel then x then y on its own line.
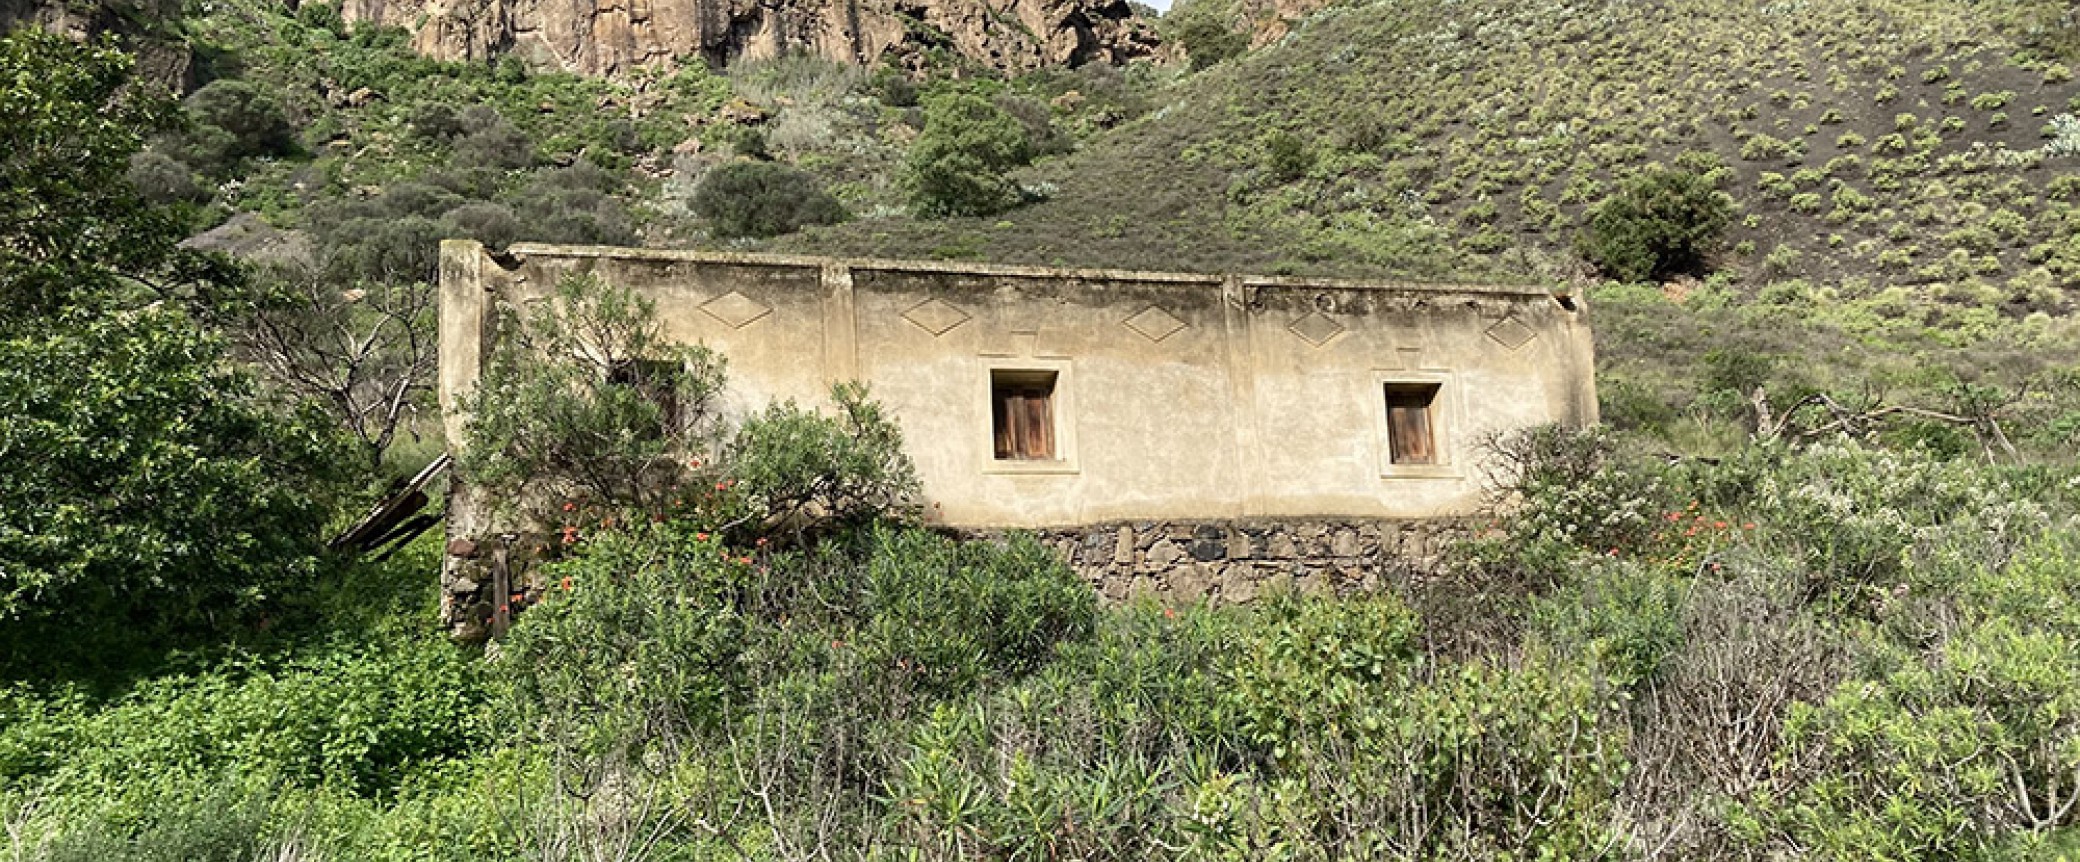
pixel 1660 223
pixel 796 466
pixel 653 608
pixel 953 615
pixel 960 163
pixel 70 225
pixel 151 487
pixel 1204 29
pixel 231 120
pixel 574 401
pixel 762 199
pixel 1287 156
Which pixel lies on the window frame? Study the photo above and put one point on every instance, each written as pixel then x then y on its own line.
pixel 1443 415
pixel 636 373
pixel 1061 412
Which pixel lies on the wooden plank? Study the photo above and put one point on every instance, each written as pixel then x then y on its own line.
pixel 1039 442
pixel 1002 415
pixel 1409 436
pixel 387 513
pixel 501 592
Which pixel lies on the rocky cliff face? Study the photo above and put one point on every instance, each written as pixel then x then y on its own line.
pixel 140 26
pixel 603 37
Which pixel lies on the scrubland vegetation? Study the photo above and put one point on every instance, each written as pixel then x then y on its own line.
pixel 1808 593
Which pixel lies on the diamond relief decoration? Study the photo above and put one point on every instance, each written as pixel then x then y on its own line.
pixel 735 310
pixel 1511 333
pixel 935 316
pixel 1315 328
pixel 1154 324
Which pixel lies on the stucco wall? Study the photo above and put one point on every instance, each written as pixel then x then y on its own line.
pixel 1179 397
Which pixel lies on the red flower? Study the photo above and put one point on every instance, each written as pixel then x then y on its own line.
pixel 570 507
pixel 700 537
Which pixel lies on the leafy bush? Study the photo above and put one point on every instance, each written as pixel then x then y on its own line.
pixel 1660 223
pixel 798 467
pixel 762 199
pixel 1287 157
pixel 233 120
pixel 960 163
pixel 1202 28
pixel 950 615
pixel 575 402
pixel 151 486
pixel 573 204
pixel 70 226
pixel 648 609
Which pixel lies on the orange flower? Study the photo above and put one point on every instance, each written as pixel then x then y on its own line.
pixel 700 537
pixel 566 584
pixel 570 507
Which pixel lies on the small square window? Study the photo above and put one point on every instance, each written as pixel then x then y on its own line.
pixel 1022 414
pixel 1411 435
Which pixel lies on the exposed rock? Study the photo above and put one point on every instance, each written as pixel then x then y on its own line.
pixel 145 28
pixel 249 237
pixel 604 37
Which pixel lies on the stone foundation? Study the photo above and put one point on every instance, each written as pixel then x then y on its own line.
pixel 1229 562
pixel 1222 562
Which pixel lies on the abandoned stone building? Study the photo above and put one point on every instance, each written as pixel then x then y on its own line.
pixel 1190 434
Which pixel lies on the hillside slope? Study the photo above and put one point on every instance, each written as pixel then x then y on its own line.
pixel 1868 145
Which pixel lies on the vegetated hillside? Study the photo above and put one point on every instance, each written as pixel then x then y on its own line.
pixel 1868 145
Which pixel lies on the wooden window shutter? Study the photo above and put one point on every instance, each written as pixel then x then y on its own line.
pixel 1022 415
pixel 1410 437
pixel 1039 427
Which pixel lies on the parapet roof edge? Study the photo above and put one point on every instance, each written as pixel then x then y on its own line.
pixel 767 259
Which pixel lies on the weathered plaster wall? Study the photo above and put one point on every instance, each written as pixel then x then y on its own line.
pixel 1218 437
pixel 1179 396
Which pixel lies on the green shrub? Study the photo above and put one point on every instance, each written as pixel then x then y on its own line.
pixel 234 120
pixel 762 199
pixel 647 609
pixel 584 397
pixel 1203 29
pixel 945 616
pixel 960 163
pixel 152 486
pixel 799 467
pixel 1660 223
pixel 1287 157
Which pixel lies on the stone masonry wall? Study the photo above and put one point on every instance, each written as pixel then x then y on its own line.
pixel 1221 562
pixel 1230 562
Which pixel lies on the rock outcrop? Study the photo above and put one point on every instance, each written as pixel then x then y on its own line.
pixel 605 37
pixel 140 27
